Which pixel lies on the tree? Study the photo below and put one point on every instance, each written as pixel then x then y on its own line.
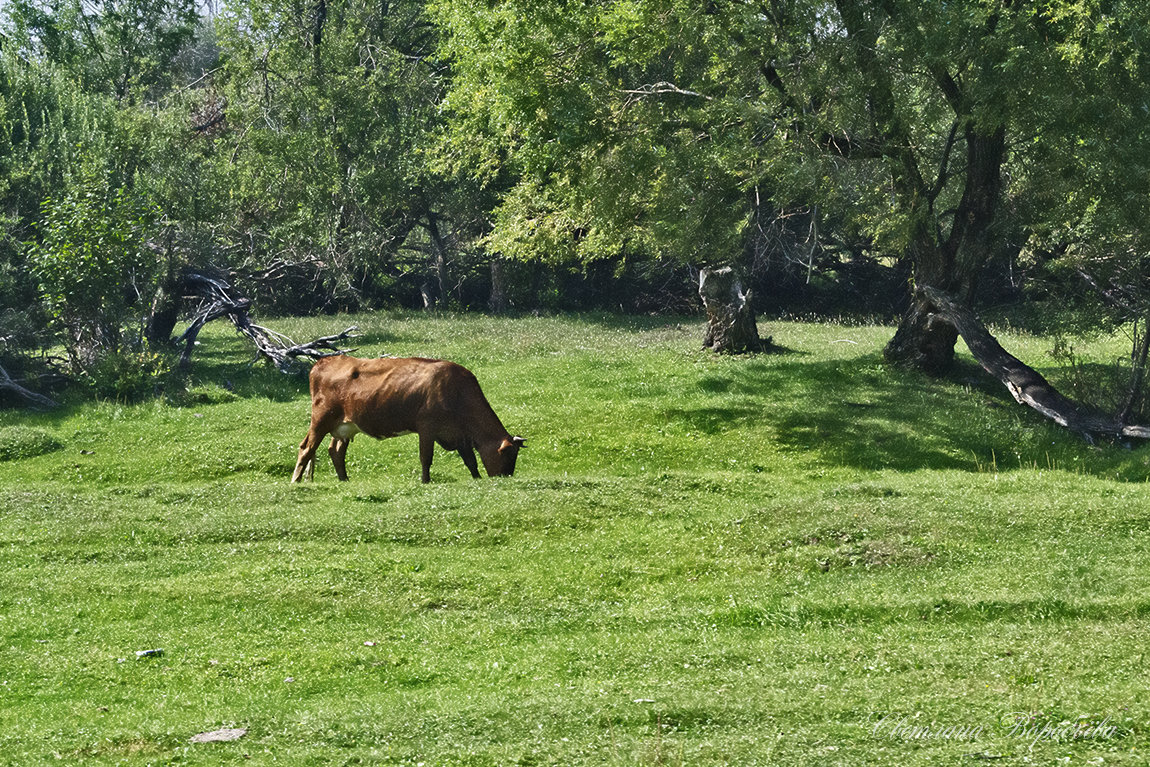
pixel 650 126
pixel 577 108
pixel 124 48
pixel 329 108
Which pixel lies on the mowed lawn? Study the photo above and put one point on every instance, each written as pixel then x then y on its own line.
pixel 796 558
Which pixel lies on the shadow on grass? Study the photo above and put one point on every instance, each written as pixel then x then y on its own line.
pixel 230 365
pixel 865 414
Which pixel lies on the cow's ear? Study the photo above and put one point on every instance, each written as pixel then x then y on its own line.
pixel 519 441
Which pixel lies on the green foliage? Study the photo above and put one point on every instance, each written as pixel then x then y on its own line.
pixel 44 122
pixel 329 118
pixel 583 104
pixel 17 442
pixel 90 249
pixel 661 127
pixel 700 561
pixel 93 265
pixel 126 376
pixel 125 49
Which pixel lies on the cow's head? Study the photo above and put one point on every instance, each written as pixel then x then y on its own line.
pixel 508 452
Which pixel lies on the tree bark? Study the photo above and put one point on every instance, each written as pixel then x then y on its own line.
pixel 497 303
pixel 1025 384
pixel 731 325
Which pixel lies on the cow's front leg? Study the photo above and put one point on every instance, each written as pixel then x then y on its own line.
pixel 426 451
pixel 468 455
pixel 305 462
pixel 338 453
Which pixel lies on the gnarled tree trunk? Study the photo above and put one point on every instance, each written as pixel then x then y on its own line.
pixel 925 337
pixel 731 323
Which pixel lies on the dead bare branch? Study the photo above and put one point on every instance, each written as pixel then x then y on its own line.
pixel 660 89
pixel 218 299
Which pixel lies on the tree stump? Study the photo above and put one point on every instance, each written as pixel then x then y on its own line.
pixel 731 324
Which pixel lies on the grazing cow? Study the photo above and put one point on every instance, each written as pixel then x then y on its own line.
pixel 438 400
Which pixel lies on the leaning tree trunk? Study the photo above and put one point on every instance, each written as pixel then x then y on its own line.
pixel 731 323
pixel 7 384
pixel 1025 384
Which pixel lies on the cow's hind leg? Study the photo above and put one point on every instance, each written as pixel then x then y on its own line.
pixel 468 455
pixel 338 453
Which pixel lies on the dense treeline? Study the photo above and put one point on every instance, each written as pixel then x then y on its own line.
pixel 329 155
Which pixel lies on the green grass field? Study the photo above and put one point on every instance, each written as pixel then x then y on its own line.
pixel 796 558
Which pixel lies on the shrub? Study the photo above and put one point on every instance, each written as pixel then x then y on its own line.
pixel 91 262
pixel 126 376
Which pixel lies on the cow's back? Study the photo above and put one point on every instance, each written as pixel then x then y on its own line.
pixel 389 396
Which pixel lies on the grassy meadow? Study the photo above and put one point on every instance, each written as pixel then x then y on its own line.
pixel 795 558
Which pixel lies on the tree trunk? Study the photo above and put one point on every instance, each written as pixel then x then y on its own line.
pixel 925 338
pixel 439 264
pixel 164 315
pixel 731 326
pixel 1138 358
pixel 1025 384
pixel 497 303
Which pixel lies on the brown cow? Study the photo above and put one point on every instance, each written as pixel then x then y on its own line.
pixel 438 400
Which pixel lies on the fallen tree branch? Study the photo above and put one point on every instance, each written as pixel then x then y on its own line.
pixel 1024 383
pixel 281 350
pixel 217 299
pixel 38 400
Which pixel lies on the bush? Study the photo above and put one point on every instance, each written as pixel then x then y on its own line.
pixel 92 263
pixel 127 376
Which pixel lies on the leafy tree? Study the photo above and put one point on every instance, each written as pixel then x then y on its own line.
pixel 93 267
pixel 124 48
pixel 918 128
pixel 329 108
pixel 616 122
